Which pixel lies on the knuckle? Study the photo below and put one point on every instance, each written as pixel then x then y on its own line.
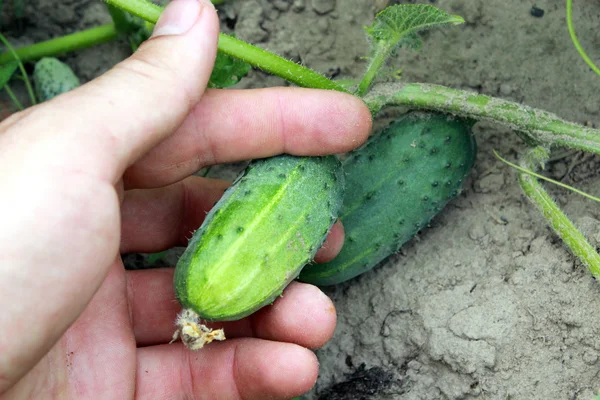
pixel 160 75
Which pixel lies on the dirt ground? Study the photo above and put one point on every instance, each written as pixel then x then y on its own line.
pixel 487 303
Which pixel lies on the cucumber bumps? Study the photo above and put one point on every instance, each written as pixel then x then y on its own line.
pixel 395 184
pixel 256 239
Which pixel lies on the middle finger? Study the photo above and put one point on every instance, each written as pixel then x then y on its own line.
pixel 302 315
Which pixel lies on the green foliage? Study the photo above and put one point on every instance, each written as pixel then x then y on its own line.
pixel 15 57
pixel 153 258
pixel 133 29
pixel 6 72
pixel 399 24
pixel 227 71
pixel 18 7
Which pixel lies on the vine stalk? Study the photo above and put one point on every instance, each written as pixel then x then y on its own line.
pixel 253 55
pixel 541 127
pixel 555 217
pixel 64 44
pixel 374 67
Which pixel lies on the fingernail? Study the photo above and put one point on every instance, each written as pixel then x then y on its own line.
pixel 179 17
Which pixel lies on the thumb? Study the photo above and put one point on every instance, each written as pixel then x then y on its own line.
pixel 113 120
pixel 60 232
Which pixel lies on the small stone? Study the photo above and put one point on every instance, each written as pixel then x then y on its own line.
pixel 281 5
pixel 271 14
pixel 506 89
pixel 590 357
pixel 298 5
pixel 323 6
pixel 536 12
pixel 477 231
pixel 592 105
pixel 414 365
pixel 491 183
pixel 385 332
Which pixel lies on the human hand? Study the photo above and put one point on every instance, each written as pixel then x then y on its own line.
pixel 104 170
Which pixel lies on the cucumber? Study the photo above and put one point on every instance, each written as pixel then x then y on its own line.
pixel 256 239
pixel 395 184
pixel 52 77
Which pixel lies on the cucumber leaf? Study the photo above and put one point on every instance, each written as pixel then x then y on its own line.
pixel 6 72
pixel 153 258
pixel 227 71
pixel 397 26
pixel 133 29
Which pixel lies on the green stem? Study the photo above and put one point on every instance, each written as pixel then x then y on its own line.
pixel 140 8
pixel 372 70
pixel 14 56
pixel 64 44
pixel 253 55
pixel 568 232
pixel 545 178
pixel 276 65
pixel 543 127
pixel 578 46
pixel 14 99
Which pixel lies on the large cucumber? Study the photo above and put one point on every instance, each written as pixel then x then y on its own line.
pixel 395 184
pixel 52 77
pixel 256 239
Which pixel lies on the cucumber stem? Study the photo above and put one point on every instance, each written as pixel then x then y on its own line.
pixel 542 127
pixel 253 55
pixel 63 44
pixel 567 231
pixel 372 71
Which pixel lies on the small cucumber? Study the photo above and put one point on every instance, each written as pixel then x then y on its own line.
pixel 395 184
pixel 52 77
pixel 256 239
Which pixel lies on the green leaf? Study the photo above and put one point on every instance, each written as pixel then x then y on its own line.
pixel 121 19
pixel 6 72
pixel 399 24
pixel 153 258
pixel 396 26
pixel 227 71
pixel 133 29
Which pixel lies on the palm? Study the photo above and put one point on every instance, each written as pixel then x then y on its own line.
pixel 118 348
pixel 96 358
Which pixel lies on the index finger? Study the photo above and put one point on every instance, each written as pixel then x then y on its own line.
pixel 234 125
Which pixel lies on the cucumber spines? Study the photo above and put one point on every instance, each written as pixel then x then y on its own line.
pixel 395 184
pixel 256 239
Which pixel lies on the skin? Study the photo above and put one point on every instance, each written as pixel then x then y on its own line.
pixel 105 170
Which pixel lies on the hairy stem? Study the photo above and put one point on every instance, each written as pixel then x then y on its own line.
pixel 253 55
pixel 64 44
pixel 372 70
pixel 568 232
pixel 541 127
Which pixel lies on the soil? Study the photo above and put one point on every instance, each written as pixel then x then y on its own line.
pixel 487 302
